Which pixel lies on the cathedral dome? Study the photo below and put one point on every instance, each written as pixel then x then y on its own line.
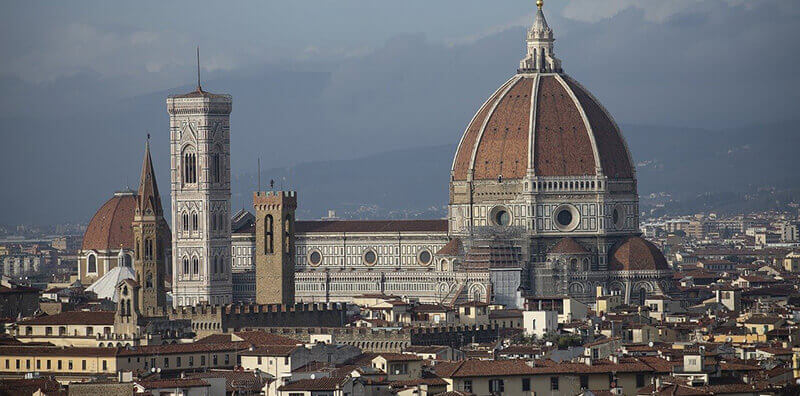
pixel 110 228
pixel 543 123
pixel 636 254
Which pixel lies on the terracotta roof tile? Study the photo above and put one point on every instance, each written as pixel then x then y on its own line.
pixel 613 153
pixel 562 146
pixel 568 245
pixel 172 383
pixel 635 253
pixel 110 227
pixel 499 134
pixel 453 248
pixel 318 384
pixel 371 226
pixel 463 157
pixel 503 146
pixel 73 318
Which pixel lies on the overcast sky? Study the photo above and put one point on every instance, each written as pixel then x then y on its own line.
pixel 143 46
pixel 78 76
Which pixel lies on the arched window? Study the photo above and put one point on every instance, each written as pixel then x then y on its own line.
pixel 186 265
pixel 128 307
pixel 91 263
pixel 138 246
pixel 214 221
pixel 149 282
pixel 287 234
pixel 189 167
pixel 215 265
pixel 185 221
pixel 127 260
pixel 268 234
pixel 148 249
pixel 195 266
pixel 194 221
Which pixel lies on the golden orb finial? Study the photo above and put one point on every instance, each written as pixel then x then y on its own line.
pixel 539 3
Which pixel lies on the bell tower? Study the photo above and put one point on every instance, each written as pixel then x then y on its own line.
pixel 275 211
pixel 199 123
pixel 151 237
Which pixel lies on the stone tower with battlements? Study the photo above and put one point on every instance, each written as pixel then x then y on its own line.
pixel 151 239
pixel 275 246
pixel 201 197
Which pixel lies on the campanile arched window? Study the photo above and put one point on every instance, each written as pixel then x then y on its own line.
pixel 189 167
pixel 195 266
pixel 268 234
pixel 216 167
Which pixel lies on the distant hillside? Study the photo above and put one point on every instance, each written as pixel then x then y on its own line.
pixel 686 169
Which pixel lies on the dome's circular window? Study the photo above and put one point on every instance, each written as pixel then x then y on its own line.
pixel 566 217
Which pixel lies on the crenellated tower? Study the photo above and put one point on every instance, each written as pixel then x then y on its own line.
pixel 275 246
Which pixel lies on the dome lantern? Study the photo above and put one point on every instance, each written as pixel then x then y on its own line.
pixel 540 56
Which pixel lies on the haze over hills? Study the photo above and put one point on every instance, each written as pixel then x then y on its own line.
pixel 676 165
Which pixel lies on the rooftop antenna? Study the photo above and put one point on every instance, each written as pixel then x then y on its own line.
pixel 259 174
pixel 199 89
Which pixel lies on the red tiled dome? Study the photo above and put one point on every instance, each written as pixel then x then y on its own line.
pixel 563 132
pixel 634 253
pixel 110 227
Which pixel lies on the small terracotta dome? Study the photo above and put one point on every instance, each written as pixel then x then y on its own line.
pixel 634 253
pixel 544 123
pixel 568 246
pixel 110 228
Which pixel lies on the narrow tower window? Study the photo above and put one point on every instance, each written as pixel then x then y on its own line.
pixel 268 234
pixel 287 234
pixel 215 167
pixel 185 265
pixel 148 249
pixel 190 168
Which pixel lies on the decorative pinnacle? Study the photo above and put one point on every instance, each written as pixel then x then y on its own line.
pixel 198 70
pixel 539 3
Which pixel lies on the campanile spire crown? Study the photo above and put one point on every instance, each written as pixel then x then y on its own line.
pixel 540 56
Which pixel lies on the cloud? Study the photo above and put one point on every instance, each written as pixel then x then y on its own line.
pixel 657 11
